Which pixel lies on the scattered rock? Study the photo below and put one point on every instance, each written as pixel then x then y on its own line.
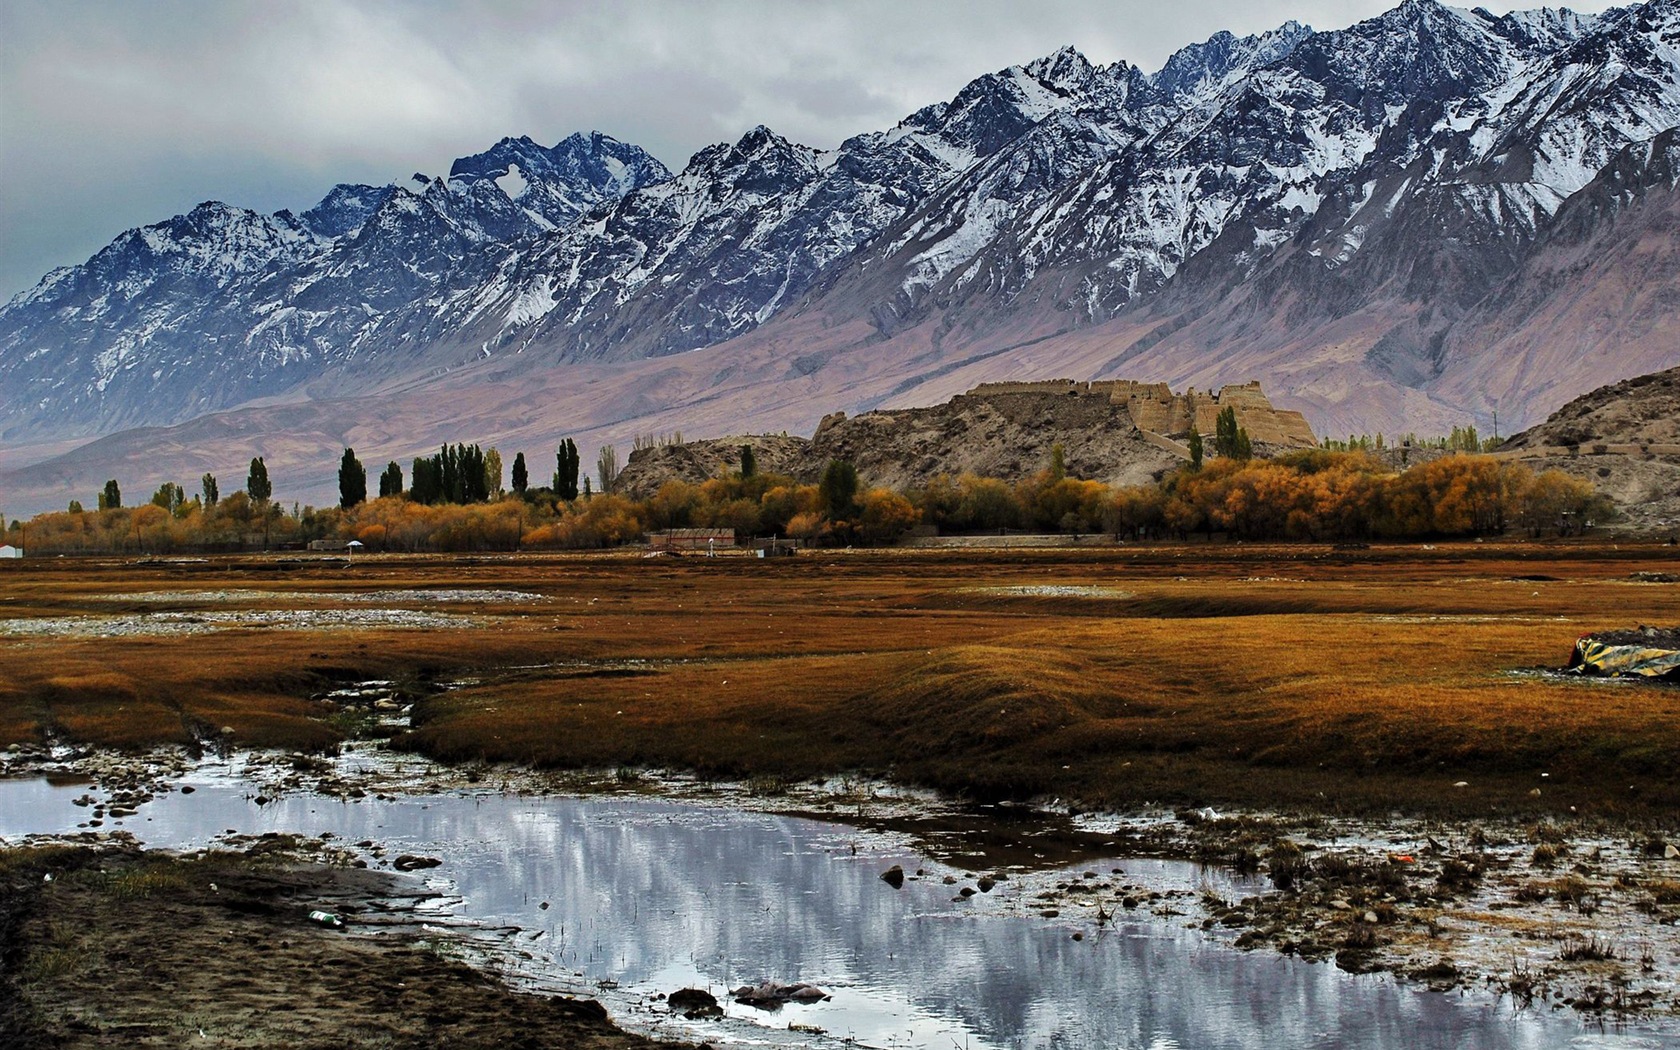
pixel 410 862
pixel 694 1003
pixel 894 877
pixel 770 995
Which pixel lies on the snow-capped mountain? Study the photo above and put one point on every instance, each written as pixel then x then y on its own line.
pixel 1350 216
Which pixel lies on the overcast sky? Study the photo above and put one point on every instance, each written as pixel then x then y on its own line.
pixel 121 113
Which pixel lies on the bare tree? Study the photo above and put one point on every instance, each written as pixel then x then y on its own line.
pixel 606 465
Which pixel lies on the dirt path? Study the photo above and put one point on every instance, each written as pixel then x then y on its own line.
pixel 121 948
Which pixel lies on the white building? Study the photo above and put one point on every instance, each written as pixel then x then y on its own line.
pixel 9 551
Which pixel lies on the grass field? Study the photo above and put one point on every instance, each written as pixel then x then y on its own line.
pixel 1300 676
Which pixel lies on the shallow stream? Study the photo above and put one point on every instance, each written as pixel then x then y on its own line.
pixel 628 898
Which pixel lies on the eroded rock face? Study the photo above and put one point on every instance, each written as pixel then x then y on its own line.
pixel 1005 431
pixel 1642 410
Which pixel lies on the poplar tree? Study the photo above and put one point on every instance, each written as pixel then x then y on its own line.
pixel 492 474
pixel 838 488
pixel 521 478
pixel 352 480
pixel 256 482
pixel 606 465
pixel 566 470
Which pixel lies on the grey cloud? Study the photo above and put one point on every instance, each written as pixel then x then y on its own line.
pixel 115 114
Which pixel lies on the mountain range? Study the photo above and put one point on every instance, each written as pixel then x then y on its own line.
pixel 1409 224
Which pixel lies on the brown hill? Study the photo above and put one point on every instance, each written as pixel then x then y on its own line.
pixel 1625 439
pixel 1002 430
pixel 1643 410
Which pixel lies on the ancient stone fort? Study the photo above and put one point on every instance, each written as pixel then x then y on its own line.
pixel 1154 408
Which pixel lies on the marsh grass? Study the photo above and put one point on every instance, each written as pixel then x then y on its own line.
pixel 1242 675
pixel 137 883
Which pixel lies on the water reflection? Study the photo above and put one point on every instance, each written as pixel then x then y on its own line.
pixel 657 896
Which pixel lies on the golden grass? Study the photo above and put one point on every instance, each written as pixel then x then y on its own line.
pixel 1268 675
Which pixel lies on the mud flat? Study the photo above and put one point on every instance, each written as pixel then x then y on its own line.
pixel 114 946
pixel 659 882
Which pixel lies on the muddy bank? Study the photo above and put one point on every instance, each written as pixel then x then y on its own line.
pixel 1579 915
pixel 106 946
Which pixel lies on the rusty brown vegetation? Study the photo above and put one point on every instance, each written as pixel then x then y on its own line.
pixel 1275 676
pixel 1304 495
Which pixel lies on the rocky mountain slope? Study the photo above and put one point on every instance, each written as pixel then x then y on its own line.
pixel 1644 410
pixel 995 435
pixel 1624 438
pixel 1407 224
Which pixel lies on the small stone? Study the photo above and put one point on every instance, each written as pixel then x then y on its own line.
pixel 1341 905
pixel 894 876
pixel 1670 852
pixel 1370 917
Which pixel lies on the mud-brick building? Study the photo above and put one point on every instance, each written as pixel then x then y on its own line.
pixel 679 541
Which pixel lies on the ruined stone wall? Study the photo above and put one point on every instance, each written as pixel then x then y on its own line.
pixel 1155 408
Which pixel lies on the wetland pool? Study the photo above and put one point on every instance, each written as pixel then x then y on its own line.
pixel 628 898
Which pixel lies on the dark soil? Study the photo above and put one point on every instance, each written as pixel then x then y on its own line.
pixel 121 948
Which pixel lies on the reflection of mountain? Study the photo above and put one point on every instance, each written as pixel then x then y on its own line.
pixel 672 893
pixel 1401 225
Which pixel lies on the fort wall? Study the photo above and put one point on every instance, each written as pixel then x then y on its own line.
pixel 1155 409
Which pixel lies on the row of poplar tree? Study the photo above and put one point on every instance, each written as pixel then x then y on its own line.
pixel 468 474
pixel 171 496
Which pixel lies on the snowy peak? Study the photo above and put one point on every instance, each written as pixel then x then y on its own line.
pixel 559 184
pixel 214 240
pixel 1542 29
pixel 761 163
pixel 1202 69
pixel 993 110
pixel 344 209
pixel 1065 70
pixel 1419 51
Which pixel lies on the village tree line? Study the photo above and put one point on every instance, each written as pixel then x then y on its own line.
pixel 455 501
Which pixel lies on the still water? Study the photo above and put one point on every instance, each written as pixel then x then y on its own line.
pixel 645 897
